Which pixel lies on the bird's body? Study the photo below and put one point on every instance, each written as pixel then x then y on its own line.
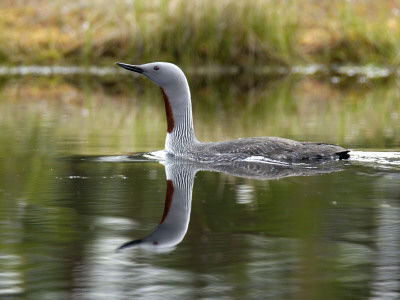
pixel 181 140
pixel 274 148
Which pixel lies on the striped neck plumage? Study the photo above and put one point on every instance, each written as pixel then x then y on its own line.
pixel 180 137
pixel 181 140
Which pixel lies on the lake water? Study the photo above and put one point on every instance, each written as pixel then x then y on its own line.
pixel 75 186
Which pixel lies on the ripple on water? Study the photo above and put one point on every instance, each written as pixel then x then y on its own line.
pixel 377 159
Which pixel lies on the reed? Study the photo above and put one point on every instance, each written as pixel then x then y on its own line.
pixel 358 32
pixel 226 32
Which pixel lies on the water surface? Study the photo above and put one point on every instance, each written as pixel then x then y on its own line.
pixel 72 190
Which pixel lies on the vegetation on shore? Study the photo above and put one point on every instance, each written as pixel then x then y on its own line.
pixel 258 32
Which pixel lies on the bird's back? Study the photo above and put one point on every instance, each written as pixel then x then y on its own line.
pixel 273 148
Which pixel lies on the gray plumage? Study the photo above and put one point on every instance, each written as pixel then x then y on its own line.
pixel 274 148
pixel 180 175
pixel 181 140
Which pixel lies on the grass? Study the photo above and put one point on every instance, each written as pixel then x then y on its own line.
pixel 226 32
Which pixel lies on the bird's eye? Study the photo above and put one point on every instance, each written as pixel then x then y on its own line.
pixel 156 68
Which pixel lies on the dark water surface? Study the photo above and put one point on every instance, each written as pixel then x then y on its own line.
pixel 72 192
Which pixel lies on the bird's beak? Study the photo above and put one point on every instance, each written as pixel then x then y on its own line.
pixel 130 244
pixel 130 67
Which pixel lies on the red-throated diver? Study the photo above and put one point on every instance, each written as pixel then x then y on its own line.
pixel 181 141
pixel 180 175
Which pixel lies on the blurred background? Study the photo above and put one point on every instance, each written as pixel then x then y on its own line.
pixel 310 70
pixel 302 69
pixel 239 33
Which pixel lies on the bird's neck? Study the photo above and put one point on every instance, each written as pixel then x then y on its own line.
pixel 180 137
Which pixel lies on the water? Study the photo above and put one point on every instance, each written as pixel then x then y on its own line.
pixel 75 186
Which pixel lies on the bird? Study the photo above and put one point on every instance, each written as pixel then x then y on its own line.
pixel 180 175
pixel 178 202
pixel 181 140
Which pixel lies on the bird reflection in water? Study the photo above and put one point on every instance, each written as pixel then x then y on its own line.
pixel 180 175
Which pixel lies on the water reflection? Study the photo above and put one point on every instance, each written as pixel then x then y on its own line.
pixel 322 250
pixel 334 236
pixel 179 185
pixel 178 201
pixel 386 283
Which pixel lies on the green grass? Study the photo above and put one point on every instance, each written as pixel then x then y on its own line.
pixel 226 32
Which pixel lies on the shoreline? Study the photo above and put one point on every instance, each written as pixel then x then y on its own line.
pixel 244 33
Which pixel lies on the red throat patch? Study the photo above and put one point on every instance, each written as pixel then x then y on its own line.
pixel 168 199
pixel 168 111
